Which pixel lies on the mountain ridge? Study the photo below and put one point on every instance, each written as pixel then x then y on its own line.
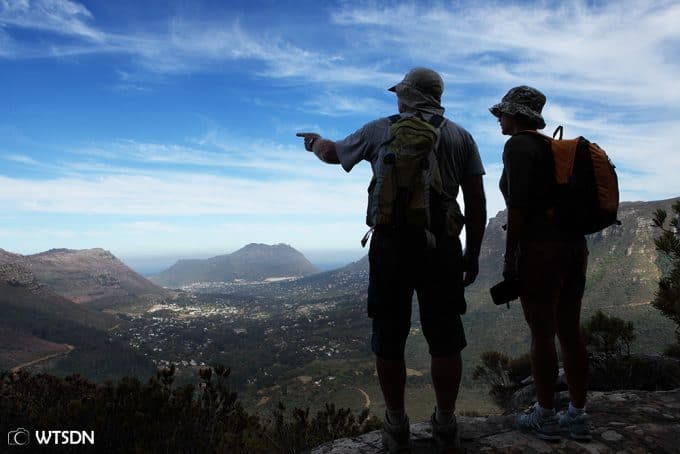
pixel 88 276
pixel 37 323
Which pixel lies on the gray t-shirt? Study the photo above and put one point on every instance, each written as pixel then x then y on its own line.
pixel 457 154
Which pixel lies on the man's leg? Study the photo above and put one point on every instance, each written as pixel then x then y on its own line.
pixel 446 374
pixel 446 339
pixel 392 378
pixel 388 341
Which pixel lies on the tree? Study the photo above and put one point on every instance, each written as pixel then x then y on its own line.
pixel 502 374
pixel 608 338
pixel 667 296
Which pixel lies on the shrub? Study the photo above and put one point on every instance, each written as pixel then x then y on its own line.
pixel 608 338
pixel 502 374
pixel 158 416
pixel 667 296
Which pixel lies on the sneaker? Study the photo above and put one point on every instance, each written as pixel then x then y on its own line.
pixel 396 437
pixel 446 436
pixel 575 425
pixel 544 427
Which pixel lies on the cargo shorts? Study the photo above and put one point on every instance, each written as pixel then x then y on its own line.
pixel 399 265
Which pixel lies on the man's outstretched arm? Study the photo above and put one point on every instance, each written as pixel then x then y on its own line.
pixel 322 148
pixel 475 224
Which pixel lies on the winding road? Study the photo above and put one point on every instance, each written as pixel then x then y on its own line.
pixel 367 398
pixel 69 349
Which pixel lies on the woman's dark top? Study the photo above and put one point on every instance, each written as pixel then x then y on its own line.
pixel 528 184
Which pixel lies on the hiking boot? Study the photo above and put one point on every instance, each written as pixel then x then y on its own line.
pixel 396 437
pixel 575 425
pixel 544 427
pixel 446 436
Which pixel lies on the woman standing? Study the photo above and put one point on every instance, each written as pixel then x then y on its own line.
pixel 550 264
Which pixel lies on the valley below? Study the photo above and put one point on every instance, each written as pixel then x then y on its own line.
pixel 300 338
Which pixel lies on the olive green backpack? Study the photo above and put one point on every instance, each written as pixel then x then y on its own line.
pixel 407 190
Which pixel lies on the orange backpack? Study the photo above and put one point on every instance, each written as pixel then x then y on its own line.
pixel 587 196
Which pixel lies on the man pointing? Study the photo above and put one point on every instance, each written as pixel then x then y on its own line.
pixel 420 160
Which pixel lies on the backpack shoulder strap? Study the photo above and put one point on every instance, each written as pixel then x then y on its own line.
pixel 437 121
pixel 533 132
pixel 394 118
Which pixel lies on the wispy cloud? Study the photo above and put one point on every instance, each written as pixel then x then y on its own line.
pixel 609 70
pixel 337 105
pixel 179 194
pixel 617 51
pixel 633 62
pixel 63 17
pixel 22 159
pixel 216 153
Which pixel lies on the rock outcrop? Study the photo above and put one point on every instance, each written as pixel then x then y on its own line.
pixel 621 422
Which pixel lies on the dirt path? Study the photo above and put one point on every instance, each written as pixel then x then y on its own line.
pixel 367 398
pixel 69 349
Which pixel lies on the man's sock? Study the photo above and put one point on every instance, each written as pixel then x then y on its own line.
pixel 395 416
pixel 443 417
pixel 575 411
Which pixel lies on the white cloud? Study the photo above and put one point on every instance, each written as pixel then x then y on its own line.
pixel 63 17
pixel 609 69
pixel 337 105
pixel 22 159
pixel 182 195
pixel 622 52
pixel 614 51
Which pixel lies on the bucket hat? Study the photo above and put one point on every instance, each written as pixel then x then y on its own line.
pixel 424 80
pixel 522 100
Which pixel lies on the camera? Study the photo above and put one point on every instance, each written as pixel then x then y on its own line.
pixel 505 291
pixel 18 437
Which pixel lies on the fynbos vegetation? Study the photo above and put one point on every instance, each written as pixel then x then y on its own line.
pixel 158 416
pixel 667 296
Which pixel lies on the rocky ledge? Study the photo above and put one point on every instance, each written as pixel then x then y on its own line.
pixel 621 422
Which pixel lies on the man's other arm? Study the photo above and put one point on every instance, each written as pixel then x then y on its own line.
pixel 475 224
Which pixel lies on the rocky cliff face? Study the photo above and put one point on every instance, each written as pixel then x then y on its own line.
pixel 622 266
pixel 621 422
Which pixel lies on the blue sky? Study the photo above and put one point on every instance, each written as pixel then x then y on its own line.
pixel 168 128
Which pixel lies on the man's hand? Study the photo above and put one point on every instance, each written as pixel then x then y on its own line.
pixel 471 268
pixel 310 138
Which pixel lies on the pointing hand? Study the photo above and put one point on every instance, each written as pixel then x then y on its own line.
pixel 310 138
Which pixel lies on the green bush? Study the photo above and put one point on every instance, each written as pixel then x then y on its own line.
pixel 502 374
pixel 158 416
pixel 608 338
pixel 667 296
pixel 299 431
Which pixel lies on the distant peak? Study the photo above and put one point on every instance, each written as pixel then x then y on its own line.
pixel 96 250
pixel 266 246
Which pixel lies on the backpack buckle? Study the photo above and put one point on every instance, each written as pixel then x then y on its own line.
pixel 364 240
